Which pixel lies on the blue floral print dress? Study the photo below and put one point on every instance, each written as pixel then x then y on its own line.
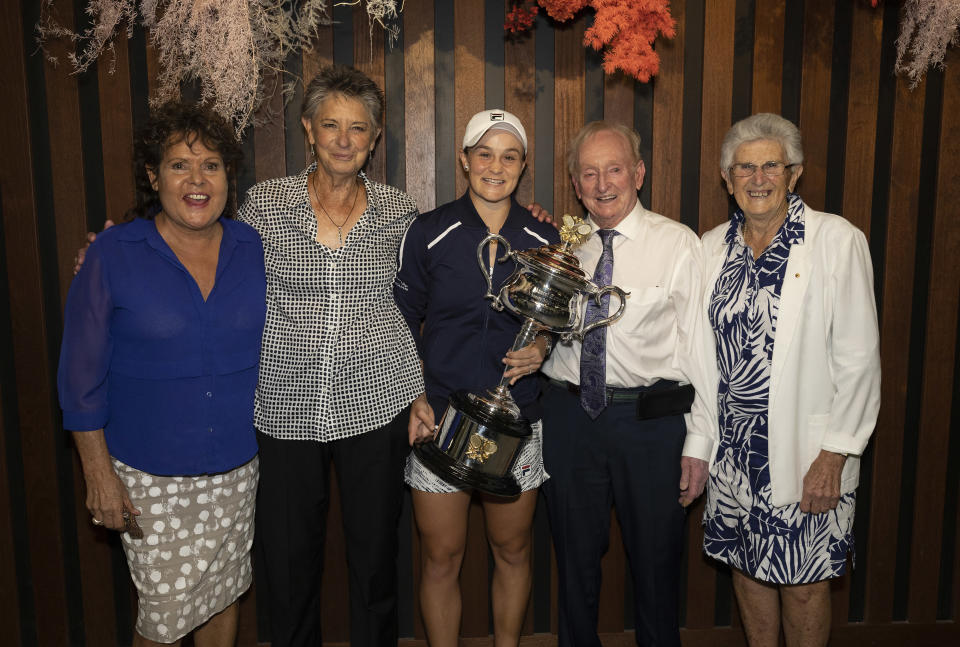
pixel 780 545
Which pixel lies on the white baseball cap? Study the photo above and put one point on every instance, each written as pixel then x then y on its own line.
pixel 498 119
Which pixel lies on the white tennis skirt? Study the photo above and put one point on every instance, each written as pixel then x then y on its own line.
pixel 528 471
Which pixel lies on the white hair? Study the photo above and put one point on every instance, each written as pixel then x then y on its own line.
pixel 763 125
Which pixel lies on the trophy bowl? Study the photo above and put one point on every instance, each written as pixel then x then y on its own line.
pixel 549 287
pixel 477 445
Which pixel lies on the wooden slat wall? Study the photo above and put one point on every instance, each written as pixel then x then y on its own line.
pixel 882 154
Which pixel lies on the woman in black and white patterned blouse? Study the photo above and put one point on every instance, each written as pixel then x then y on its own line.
pixel 338 367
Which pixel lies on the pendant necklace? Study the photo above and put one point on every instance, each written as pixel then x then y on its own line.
pixel 356 194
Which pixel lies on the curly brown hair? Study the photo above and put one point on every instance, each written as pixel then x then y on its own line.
pixel 171 123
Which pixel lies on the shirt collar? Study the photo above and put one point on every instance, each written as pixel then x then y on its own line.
pixel 630 226
pixel 515 218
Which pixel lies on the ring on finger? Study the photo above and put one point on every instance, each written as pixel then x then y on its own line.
pixel 95 521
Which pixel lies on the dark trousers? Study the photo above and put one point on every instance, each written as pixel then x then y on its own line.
pixel 634 466
pixel 292 504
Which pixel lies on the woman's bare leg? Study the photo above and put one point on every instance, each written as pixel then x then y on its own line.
pixel 509 530
pixel 759 605
pixel 442 522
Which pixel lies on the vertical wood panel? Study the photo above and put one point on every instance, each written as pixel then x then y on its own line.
pixel 718 54
pixel 862 117
pixel 938 376
pixel 768 55
pixel 69 204
pixel 719 27
pixel 30 358
pixel 894 351
pixel 568 96
pixel 368 58
pixel 664 170
pixel 9 599
pixel 268 142
pixel 618 99
pixel 418 109
pixel 320 55
pixel 116 118
pixel 469 81
pixel 519 98
pixel 815 98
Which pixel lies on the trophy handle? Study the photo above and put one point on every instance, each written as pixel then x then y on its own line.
pixel 606 321
pixel 497 303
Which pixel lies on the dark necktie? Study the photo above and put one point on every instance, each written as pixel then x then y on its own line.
pixel 593 352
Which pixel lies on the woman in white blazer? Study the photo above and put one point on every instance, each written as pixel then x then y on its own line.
pixel 790 301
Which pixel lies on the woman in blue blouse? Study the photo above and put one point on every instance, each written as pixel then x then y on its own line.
pixel 157 376
pixel 462 345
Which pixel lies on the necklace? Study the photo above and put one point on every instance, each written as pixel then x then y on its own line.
pixel 356 194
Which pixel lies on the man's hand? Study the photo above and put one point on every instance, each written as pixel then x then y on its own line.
pixel 821 484
pixel 422 425
pixel 693 477
pixel 82 252
pixel 541 214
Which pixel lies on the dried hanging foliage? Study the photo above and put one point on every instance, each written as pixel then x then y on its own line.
pixel 225 45
pixel 927 28
pixel 625 29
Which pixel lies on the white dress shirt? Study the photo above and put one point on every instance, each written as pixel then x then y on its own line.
pixel 660 263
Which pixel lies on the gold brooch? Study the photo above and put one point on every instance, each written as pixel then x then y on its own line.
pixel 480 448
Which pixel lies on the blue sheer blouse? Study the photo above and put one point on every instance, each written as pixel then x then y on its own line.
pixel 168 376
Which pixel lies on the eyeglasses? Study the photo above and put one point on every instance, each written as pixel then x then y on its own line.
pixel 770 169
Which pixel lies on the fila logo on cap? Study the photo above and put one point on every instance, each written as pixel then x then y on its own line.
pixel 496 116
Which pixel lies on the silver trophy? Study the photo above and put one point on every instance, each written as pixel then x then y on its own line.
pixel 480 435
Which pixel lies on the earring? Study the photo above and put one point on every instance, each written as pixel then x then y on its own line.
pixel 466 167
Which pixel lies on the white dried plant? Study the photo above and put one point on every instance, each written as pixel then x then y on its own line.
pixel 229 46
pixel 927 28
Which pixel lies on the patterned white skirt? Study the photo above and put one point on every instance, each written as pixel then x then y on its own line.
pixel 528 471
pixel 194 559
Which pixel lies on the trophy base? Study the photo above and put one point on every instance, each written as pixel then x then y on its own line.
pixel 456 473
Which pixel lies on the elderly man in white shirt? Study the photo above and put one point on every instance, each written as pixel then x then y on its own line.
pixel 627 418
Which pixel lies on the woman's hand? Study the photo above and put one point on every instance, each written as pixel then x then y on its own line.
pixel 82 252
pixel 108 500
pixel 527 360
pixel 422 425
pixel 821 484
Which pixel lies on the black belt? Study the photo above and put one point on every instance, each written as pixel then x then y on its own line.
pixel 662 398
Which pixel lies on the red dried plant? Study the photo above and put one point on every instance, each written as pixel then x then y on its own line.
pixel 625 29
pixel 520 18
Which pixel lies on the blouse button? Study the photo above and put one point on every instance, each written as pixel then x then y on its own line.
pixel 209 394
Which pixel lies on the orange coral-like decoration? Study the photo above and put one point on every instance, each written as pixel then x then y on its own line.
pixel 626 28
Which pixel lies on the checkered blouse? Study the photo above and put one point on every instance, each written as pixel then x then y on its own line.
pixel 337 358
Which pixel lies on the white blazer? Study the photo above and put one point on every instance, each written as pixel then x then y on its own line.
pixel 825 375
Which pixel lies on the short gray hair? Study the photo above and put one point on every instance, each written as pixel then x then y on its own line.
pixel 763 125
pixel 345 81
pixel 594 127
